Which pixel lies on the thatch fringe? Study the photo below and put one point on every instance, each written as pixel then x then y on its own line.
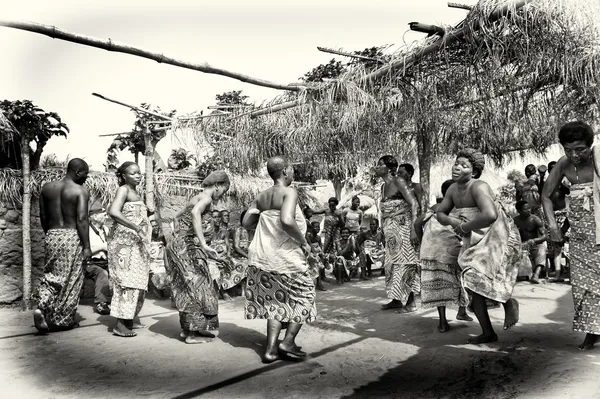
pixel 103 186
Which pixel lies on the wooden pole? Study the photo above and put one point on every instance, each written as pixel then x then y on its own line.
pixel 450 37
pixel 133 107
pixel 232 106
pixel 338 52
pixel 26 226
pixel 149 172
pixel 276 108
pixel 462 6
pixel 110 45
pixel 425 28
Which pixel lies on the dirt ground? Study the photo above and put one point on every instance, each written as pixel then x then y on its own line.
pixel 356 351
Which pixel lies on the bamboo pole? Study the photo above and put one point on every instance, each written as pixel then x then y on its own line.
pixel 338 52
pixel 26 227
pixel 229 106
pixel 461 6
pixel 425 28
pixel 110 45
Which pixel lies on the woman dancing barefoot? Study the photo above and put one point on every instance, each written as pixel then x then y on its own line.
pixel 192 287
pixel 280 285
pixel 491 242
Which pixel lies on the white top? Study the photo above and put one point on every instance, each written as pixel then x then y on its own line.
pixel 272 249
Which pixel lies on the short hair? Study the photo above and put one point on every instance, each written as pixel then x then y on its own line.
pixel 374 220
pixel 390 162
pixel 225 211
pixel 446 185
pixel 355 198
pixel 334 200
pixel 276 165
pixel 344 229
pixel 531 169
pixel 77 165
pixel 520 204
pixel 576 131
pixel 315 222
pixel 475 157
pixel 409 169
pixel 551 164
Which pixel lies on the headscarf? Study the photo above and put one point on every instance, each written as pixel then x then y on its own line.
pixel 216 177
pixel 476 158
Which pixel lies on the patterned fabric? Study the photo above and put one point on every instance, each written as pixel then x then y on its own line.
pixel 585 259
pixel 331 231
pixel 282 297
pixel 192 286
pixel 440 273
pixel 489 257
pixel 402 274
pixel 126 302
pixel 58 293
pixel 372 250
pixel 234 276
pixel 128 256
pixel 158 272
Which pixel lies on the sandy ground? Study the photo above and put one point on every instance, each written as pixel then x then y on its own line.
pixel 356 351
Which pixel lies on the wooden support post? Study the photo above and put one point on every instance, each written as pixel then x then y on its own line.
pixel 149 172
pixel 26 225
pixel 425 28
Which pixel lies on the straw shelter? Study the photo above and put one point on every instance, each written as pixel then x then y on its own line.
pixel 502 80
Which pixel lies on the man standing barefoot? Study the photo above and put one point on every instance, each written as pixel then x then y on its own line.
pixel 64 217
pixel 491 242
pixel 580 167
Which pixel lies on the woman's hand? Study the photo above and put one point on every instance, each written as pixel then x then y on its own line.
pixel 210 252
pixel 414 237
pixel 306 249
pixel 460 230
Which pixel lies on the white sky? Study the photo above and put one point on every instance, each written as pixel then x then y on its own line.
pixel 274 40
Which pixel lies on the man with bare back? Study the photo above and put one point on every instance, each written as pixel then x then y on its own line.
pixel 491 242
pixel 64 217
pixel 533 237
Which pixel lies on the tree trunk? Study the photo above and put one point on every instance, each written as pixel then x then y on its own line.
pixel 136 157
pixel 149 172
pixel 26 224
pixel 338 185
pixel 424 159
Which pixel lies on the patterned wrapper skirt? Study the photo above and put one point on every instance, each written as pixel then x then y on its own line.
pixel 402 274
pixel 585 261
pixel 58 293
pixel 282 297
pixel 192 286
pixel 440 285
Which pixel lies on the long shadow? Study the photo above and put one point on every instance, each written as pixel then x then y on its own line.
pixel 239 378
pixel 523 359
pixel 241 337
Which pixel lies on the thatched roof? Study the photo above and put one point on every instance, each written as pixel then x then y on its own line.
pixel 103 186
pixel 504 85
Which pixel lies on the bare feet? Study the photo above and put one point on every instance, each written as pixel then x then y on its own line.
pixel 320 287
pixel 270 358
pixel 291 350
pixel 39 320
pixel 443 327
pixel 534 280
pixel 463 316
pixel 183 334
pixel 482 339
pixel 122 330
pixel 407 309
pixel 588 342
pixel 199 337
pixel 393 304
pixel 511 313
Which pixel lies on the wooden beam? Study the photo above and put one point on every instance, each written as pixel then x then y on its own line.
pixel 109 45
pixel 338 52
pixel 425 28
pixel 133 107
pixel 461 6
pixel 276 108
pixel 443 41
pixel 232 106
